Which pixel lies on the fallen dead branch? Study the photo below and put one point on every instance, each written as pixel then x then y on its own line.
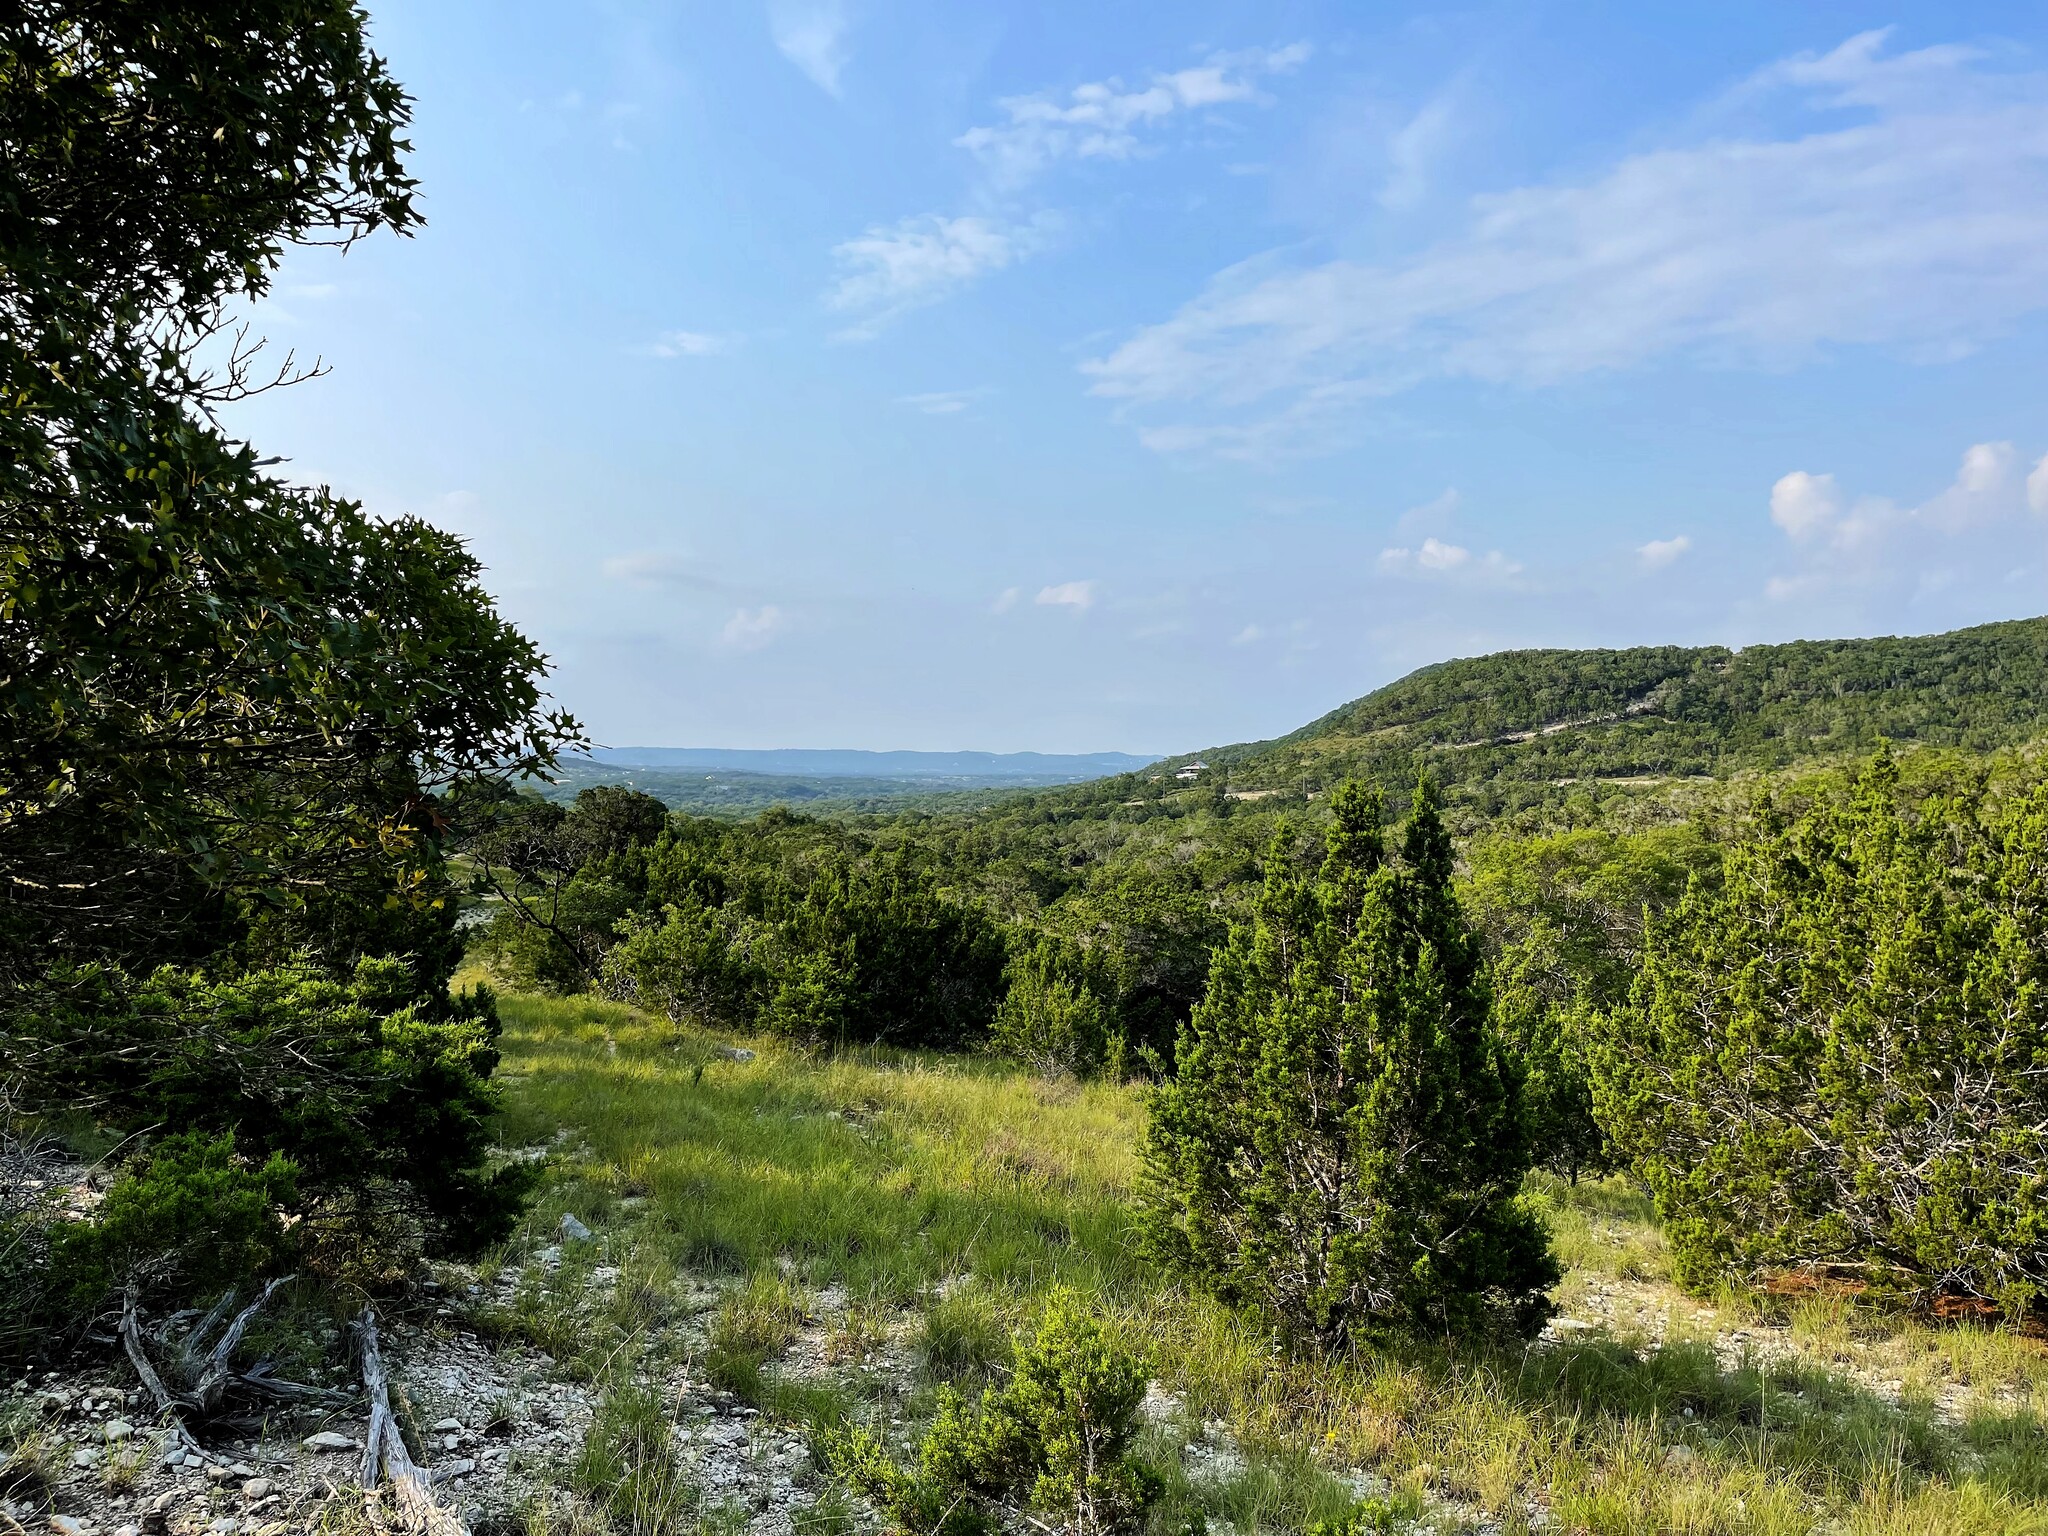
pixel 200 1363
pixel 385 1458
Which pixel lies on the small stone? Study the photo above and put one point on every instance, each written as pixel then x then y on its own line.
pixel 449 1427
pixel 735 1053
pixel 256 1488
pixel 328 1440
pixel 241 1469
pixel 85 1456
pixel 573 1231
pixel 175 1456
pixel 119 1429
pixel 71 1525
pixel 127 1530
pixel 226 1525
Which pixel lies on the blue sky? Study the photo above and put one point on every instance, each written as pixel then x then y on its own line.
pixel 896 374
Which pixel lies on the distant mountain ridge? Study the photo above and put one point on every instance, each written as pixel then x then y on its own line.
pixel 804 762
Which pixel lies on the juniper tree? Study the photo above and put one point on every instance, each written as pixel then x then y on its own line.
pixel 1341 1144
pixel 1838 1053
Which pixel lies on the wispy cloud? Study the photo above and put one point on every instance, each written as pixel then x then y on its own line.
pixel 689 344
pixel 1006 599
pixel 751 628
pixel 812 35
pixel 1917 219
pixel 1109 120
pixel 1659 553
pixel 1414 149
pixel 1068 594
pixel 942 402
pixel 662 568
pixel 893 268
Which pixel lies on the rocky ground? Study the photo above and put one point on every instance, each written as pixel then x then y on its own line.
pixel 501 1423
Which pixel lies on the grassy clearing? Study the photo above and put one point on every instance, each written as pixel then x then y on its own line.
pixel 963 1191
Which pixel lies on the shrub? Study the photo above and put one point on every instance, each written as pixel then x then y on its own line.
pixel 1050 1020
pixel 1548 1039
pixel 192 1219
pixel 295 1063
pixel 825 950
pixel 1835 1054
pixel 691 962
pixel 1342 1143
pixel 1057 1438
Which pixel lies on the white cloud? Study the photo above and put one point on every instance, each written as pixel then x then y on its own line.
pixel 751 628
pixel 1436 557
pixel 812 35
pixel 896 267
pixel 1659 553
pixel 2037 486
pixel 688 344
pixel 1006 600
pixel 1068 594
pixel 1963 535
pixel 942 402
pixel 1913 217
pixel 1248 635
pixel 1987 489
pixel 1987 486
pixel 1804 504
pixel 1105 119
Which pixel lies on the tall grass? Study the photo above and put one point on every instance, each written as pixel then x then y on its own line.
pixel 887 1173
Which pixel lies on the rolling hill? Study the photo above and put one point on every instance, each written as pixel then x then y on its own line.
pixel 1521 721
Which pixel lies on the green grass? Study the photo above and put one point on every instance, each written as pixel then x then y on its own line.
pixel 887 1173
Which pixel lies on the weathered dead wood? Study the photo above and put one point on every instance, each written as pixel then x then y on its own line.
pixel 385 1457
pixel 205 1376
pixel 216 1375
pixel 167 1406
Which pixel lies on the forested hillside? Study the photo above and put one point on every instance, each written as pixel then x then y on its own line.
pixel 1501 731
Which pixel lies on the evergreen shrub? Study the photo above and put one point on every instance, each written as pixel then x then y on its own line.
pixel 191 1220
pixel 1056 1438
pixel 326 1073
pixel 1051 1019
pixel 1342 1144
pixel 1838 1053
